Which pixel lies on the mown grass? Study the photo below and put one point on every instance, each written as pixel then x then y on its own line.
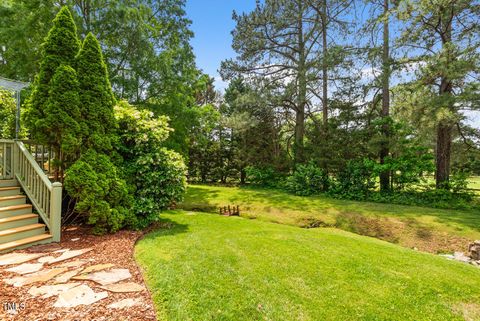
pixel 428 229
pixel 208 267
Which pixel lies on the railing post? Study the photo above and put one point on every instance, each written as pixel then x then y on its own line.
pixel 56 211
pixel 15 156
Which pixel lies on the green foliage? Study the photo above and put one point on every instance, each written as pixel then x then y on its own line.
pixel 409 168
pixel 97 100
pixel 160 179
pixel 266 176
pixel 307 180
pixel 158 174
pixel 60 48
pixel 62 112
pixel 100 192
pixel 146 45
pixel 140 130
pixel 356 180
pixel 7 114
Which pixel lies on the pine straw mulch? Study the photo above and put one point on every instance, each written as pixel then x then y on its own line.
pixel 117 249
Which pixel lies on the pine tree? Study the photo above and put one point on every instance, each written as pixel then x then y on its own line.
pixel 97 98
pixel 60 48
pixel 61 116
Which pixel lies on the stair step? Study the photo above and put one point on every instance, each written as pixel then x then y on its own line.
pixel 43 238
pixel 12 200
pixel 8 183
pixel 21 232
pixel 8 211
pixel 9 191
pixel 17 221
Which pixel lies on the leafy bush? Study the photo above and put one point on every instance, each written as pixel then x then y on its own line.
pixel 437 198
pixel 158 174
pixel 160 179
pixel 307 180
pixel 265 176
pixel 100 193
pixel 408 168
pixel 356 180
pixel 459 182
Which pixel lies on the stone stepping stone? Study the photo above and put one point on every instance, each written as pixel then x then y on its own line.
pixel 98 267
pixel 123 287
pixel 68 255
pixel 80 295
pixel 46 259
pixel 18 258
pixel 125 303
pixel 42 276
pixel 106 277
pixel 73 264
pixel 47 291
pixel 26 268
pixel 65 277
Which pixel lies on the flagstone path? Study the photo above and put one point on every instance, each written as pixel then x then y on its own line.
pixel 85 277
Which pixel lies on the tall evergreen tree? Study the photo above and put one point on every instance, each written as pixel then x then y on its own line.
pixel 444 34
pixel 97 100
pixel 61 117
pixel 60 48
pixel 278 41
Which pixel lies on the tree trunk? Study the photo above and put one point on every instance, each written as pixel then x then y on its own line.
pixel 443 152
pixel 302 97
pixel 384 148
pixel 325 66
pixel 243 176
pixel 444 128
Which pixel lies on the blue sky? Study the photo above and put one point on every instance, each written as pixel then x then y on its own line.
pixel 212 24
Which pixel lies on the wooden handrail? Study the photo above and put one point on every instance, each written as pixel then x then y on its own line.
pixel 34 165
pixel 45 196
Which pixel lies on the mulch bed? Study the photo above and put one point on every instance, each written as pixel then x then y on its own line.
pixel 116 249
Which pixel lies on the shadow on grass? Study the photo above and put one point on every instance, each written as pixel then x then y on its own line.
pixel 207 200
pixel 165 227
pixel 198 200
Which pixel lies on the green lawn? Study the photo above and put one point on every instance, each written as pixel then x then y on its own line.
pixel 209 267
pixel 474 182
pixel 428 229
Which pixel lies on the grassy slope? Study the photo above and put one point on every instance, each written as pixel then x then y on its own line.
pixel 209 267
pixel 426 228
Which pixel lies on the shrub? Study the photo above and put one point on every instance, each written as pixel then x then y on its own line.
pixel 356 180
pixel 160 179
pixel 100 193
pixel 307 180
pixel 266 176
pixel 408 168
pixel 158 174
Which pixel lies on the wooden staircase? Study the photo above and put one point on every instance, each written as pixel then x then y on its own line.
pixel 30 204
pixel 19 226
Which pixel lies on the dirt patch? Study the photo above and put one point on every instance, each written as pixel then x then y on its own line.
pixel 117 249
pixel 408 233
pixel 369 226
pixel 312 222
pixel 469 311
